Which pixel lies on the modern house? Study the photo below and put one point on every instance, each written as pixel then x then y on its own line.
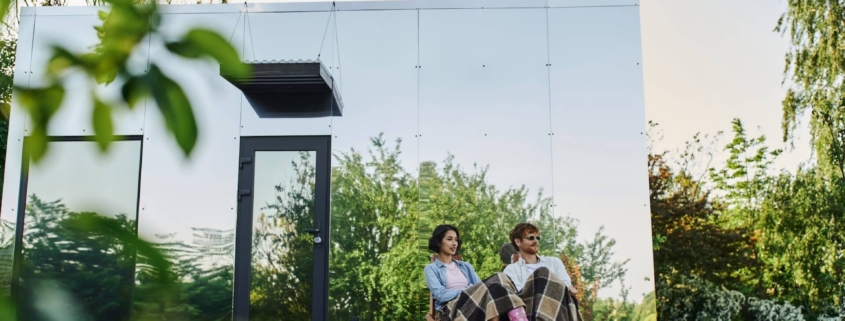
pixel 316 182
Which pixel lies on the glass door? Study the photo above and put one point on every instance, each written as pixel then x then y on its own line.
pixel 281 252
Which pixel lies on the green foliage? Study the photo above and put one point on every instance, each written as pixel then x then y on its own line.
pixel 802 243
pixel 744 177
pixel 375 258
pixel 814 68
pixel 769 237
pixel 96 271
pixel 647 310
pixel 597 265
pixel 694 299
pixel 124 27
pixel 8 48
pixel 79 266
pixel 5 5
pixel 615 310
pixel 683 215
pixel 765 310
pixel 376 264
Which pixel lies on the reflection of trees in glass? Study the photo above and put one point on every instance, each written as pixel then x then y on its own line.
pixel 282 255
pixel 96 270
pixel 204 267
pixel 7 227
pixel 381 216
pixel 7 253
pixel 376 260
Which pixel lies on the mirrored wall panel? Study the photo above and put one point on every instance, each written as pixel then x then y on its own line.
pixel 76 34
pixel 374 166
pixel 598 121
pixel 188 201
pixel 12 167
pixel 59 256
pixel 485 153
pixel 482 115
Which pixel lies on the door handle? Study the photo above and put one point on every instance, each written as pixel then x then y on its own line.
pixel 314 230
pixel 243 192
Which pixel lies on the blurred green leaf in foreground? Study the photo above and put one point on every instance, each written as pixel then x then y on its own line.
pixel 126 25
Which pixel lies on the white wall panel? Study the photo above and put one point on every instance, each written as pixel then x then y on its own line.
pixel 598 121
pixel 76 34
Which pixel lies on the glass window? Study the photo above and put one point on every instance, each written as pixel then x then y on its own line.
pixel 282 255
pixel 76 179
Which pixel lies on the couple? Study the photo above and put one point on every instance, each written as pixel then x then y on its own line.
pixel 532 288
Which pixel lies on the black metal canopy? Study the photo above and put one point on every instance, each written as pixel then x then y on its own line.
pixel 289 89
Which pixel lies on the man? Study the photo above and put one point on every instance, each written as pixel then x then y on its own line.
pixel 525 237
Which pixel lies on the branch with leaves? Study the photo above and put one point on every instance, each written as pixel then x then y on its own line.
pixel 124 27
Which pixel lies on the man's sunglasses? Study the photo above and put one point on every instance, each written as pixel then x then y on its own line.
pixel 533 238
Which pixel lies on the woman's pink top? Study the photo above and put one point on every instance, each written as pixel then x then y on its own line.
pixel 455 279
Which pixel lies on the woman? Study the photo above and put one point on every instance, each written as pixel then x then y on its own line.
pixel 448 278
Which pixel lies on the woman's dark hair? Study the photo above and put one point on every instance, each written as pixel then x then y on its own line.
pixel 439 234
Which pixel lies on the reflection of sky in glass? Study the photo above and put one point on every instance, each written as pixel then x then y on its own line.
pixel 86 180
pixel 273 169
pixel 482 95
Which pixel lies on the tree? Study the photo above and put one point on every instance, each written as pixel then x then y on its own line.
pixel 616 310
pixel 376 261
pixel 691 298
pixel 771 238
pixel 745 177
pixel 802 243
pixel 8 47
pixel 597 265
pixel 282 268
pixel 374 236
pixel 815 69
pixel 693 243
pixel 97 271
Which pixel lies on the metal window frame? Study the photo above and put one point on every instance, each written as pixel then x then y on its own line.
pixel 22 196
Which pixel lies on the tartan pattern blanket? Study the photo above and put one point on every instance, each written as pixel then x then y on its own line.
pixel 544 297
pixel 547 298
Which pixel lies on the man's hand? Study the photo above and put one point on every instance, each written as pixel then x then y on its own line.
pixel 572 290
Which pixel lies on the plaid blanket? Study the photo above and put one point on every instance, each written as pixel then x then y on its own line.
pixel 547 298
pixel 544 297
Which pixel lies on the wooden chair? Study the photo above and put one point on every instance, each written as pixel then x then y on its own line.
pixel 431 309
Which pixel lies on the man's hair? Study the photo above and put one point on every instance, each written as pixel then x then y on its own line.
pixel 520 230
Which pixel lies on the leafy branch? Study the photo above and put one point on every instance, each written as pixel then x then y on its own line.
pixel 125 26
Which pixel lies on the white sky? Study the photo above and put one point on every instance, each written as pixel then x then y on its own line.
pixel 707 62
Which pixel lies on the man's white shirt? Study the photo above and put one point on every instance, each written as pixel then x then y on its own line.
pixel 518 273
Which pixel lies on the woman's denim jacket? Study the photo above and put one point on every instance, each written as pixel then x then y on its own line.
pixel 435 278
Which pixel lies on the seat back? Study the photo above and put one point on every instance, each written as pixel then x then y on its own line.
pixel 431 309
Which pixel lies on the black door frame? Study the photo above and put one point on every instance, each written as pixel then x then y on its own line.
pixel 243 235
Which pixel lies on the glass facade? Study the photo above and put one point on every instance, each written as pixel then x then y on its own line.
pixel 72 182
pixel 480 115
pixel 283 206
